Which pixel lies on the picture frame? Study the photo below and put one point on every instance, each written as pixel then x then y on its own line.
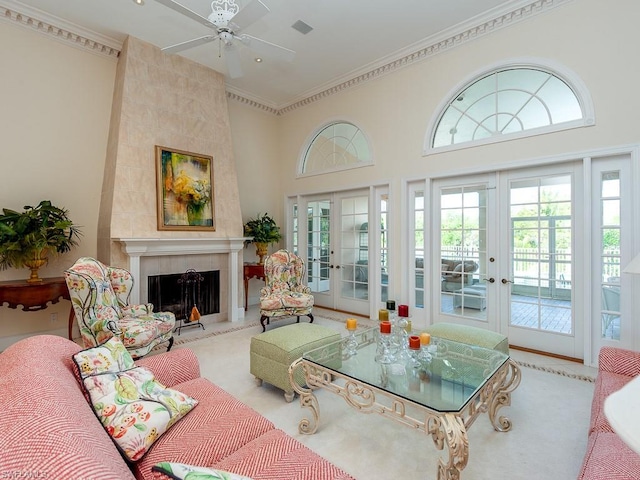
pixel 184 190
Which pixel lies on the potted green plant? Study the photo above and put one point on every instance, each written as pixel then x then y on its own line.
pixel 262 231
pixel 27 238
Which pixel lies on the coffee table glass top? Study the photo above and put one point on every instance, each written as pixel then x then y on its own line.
pixel 453 377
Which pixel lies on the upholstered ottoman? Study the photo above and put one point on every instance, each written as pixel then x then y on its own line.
pixel 470 335
pixel 274 351
pixel 474 297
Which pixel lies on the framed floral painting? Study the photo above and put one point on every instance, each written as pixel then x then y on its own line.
pixel 185 190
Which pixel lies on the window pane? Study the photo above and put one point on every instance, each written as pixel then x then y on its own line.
pixel 506 101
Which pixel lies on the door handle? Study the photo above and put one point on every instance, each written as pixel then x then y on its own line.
pixel 490 279
pixel 505 281
pixel 337 267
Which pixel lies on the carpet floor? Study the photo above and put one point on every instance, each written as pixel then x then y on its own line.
pixel 549 410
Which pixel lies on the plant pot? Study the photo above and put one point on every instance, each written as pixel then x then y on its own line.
pixel 34 265
pixel 261 251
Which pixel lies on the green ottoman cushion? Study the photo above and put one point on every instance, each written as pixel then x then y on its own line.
pixel 470 335
pixel 274 351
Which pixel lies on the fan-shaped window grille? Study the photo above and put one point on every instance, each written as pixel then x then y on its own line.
pixel 507 103
pixel 337 146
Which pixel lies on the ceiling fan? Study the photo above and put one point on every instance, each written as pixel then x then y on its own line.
pixel 226 20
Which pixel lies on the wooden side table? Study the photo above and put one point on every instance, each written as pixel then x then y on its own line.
pixel 35 296
pixel 251 270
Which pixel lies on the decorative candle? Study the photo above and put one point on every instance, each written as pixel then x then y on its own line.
pixel 352 323
pixel 383 314
pixel 391 305
pixel 408 327
pixel 414 342
pixel 425 338
pixel 403 310
pixel 385 327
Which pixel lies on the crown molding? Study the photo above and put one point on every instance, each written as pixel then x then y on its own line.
pixel 489 22
pixel 492 21
pixel 61 30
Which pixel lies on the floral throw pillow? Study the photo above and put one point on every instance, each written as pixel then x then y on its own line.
pixel 180 471
pixel 134 408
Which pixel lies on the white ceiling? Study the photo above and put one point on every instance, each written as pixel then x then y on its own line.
pixel 349 37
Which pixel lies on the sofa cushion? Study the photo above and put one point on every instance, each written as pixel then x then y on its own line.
pixel 179 471
pixel 218 427
pixel 276 455
pixel 608 458
pixel 132 406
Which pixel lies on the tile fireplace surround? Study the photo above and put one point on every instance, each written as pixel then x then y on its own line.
pixel 160 256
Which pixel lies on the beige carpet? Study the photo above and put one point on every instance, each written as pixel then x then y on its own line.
pixel 550 414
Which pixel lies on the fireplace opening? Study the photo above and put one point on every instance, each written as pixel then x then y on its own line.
pixel 165 293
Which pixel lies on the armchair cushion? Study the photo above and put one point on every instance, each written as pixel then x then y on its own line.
pixel 134 408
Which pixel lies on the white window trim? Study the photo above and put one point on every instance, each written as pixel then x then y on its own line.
pixel 307 144
pixel 568 76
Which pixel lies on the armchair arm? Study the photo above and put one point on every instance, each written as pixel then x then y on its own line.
pixel 619 360
pixel 173 367
pixel 265 291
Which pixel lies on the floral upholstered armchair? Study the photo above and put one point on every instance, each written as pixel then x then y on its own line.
pixel 284 294
pixel 100 298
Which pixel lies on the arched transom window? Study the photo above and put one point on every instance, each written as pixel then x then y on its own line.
pixel 336 146
pixel 508 102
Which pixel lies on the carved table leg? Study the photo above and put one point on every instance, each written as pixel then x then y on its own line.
pixel 450 429
pixel 507 382
pixel 307 399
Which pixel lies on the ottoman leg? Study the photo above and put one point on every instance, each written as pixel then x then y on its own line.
pixel 258 381
pixel 288 396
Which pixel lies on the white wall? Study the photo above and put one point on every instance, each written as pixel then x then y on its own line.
pixel 56 104
pixel 589 37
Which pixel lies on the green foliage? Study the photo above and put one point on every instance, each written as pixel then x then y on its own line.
pixel 34 233
pixel 262 229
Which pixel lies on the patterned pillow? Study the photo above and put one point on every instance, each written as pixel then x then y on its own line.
pixel 133 407
pixel 180 471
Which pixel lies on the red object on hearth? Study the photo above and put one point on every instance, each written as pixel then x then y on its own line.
pixel 414 342
pixel 403 310
pixel 385 327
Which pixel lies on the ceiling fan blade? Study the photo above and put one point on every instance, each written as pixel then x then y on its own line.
pixel 233 61
pixel 267 48
pixel 179 47
pixel 253 12
pixel 185 11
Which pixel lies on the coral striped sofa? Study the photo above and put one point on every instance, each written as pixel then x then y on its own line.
pixel 49 430
pixel 607 456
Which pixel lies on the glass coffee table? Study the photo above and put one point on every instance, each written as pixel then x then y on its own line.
pixel 442 399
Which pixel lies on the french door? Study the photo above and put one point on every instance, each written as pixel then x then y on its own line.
pixel 505 247
pixel 335 236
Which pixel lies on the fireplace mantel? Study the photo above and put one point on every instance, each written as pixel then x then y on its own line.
pixel 136 248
